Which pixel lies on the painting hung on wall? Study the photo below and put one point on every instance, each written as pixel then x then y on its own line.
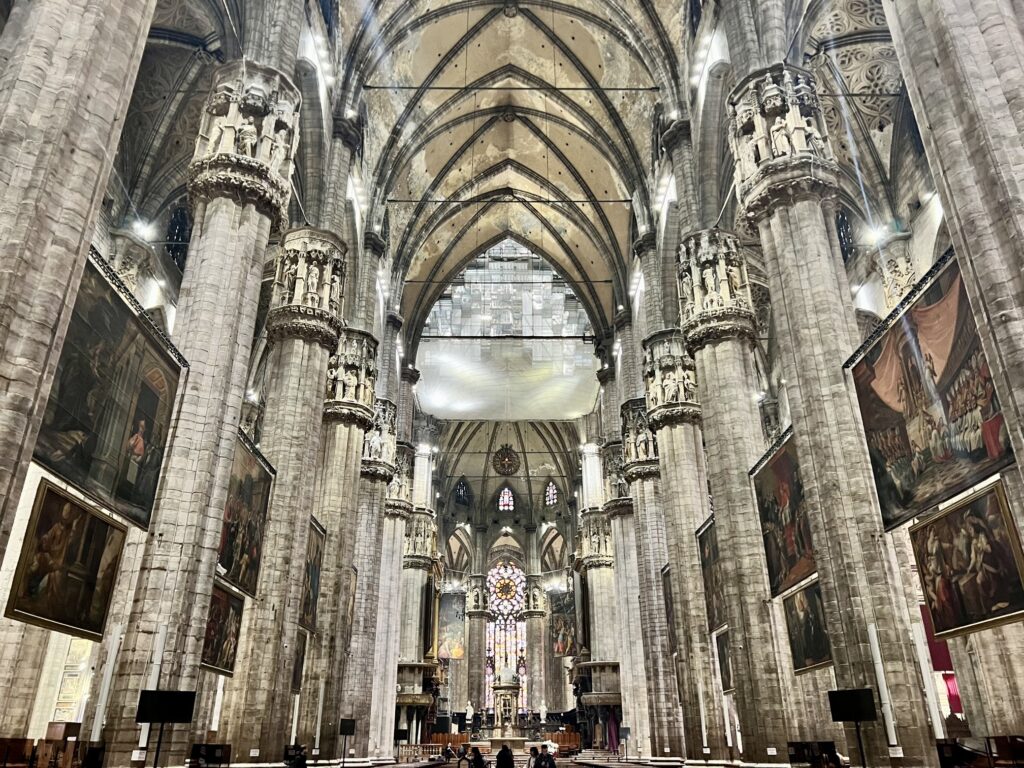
pixel 299 663
pixel 724 661
pixel 563 623
pixel 933 420
pixel 808 634
pixel 108 415
pixel 311 579
pixel 245 520
pixel 784 520
pixel 68 565
pixel 970 562
pixel 711 569
pixel 451 625
pixel 223 627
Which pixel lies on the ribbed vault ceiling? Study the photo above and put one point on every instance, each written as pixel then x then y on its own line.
pixel 491 118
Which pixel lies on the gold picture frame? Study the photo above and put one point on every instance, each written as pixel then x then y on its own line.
pixel 967 555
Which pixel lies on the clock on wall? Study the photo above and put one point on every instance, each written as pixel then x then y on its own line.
pixel 505 460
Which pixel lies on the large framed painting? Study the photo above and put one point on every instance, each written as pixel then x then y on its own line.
pixel 808 633
pixel 711 570
pixel 313 567
pixel 724 661
pixel 563 623
pixel 223 627
pixel 245 518
pixel 299 664
pixel 933 422
pixel 784 522
pixel 69 560
pixel 668 594
pixel 451 626
pixel 109 412
pixel 970 564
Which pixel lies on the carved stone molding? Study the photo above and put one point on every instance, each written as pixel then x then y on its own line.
pixel 779 139
pixel 247 139
pixel 348 413
pixel 377 470
pixel 417 562
pixel 294 321
pixel 670 381
pixel 643 470
pixel 395 508
pixel 678 132
pixel 347 129
pixel 715 300
pixel 618 508
pixel 352 371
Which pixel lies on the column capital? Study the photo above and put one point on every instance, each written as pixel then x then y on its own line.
pixel 247 138
pixel 646 243
pixel 618 508
pixel 374 243
pixel 347 130
pixel 616 486
pixel 715 300
pixel 352 371
pixel 677 132
pixel 400 487
pixel 596 549
pixel 379 441
pixel 779 139
pixel 395 320
pixel 410 374
pixel 670 380
pixel 395 508
pixel 306 294
pixel 639 445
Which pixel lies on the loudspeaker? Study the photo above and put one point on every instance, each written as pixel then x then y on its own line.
pixel 443 724
pixel 401 734
pixel 165 707
pixel 852 705
pixel 347 728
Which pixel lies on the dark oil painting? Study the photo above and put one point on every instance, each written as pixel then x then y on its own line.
pixel 711 569
pixel 933 420
pixel 223 627
pixel 969 562
pixel 108 415
pixel 313 566
pixel 245 520
pixel 808 634
pixel 68 566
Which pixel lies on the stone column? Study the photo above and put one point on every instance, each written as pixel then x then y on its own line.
pixel 718 321
pixel 536 617
pixel 386 568
pixel 477 616
pixel 63 98
pixel 786 180
pixel 239 186
pixel 674 416
pixel 417 562
pixel 642 472
pixel 632 673
pixel 303 327
pixel 348 607
pixel 678 142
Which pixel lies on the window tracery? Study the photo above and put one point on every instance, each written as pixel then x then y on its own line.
pixel 506 501
pixel 506 634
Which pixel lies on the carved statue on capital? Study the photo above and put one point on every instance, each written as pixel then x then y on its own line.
pixel 775 120
pixel 247 138
pixel 638 441
pixel 669 379
pixel 595 547
pixel 379 440
pixel 352 371
pixel 306 300
pixel 616 486
pixel 715 297
pixel 400 487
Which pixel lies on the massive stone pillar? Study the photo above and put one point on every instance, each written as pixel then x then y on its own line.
pixel 385 571
pixel 347 602
pixel 303 326
pixel 674 417
pixel 63 99
pixel 536 618
pixel 718 321
pixel 786 180
pixel 618 509
pixel 477 616
pixel 642 472
pixel 239 185
pixel 961 63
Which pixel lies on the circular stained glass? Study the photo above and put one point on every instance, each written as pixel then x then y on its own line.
pixel 507 584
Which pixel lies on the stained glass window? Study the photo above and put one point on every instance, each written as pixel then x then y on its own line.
pixel 506 635
pixel 462 493
pixel 550 495
pixel 506 501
